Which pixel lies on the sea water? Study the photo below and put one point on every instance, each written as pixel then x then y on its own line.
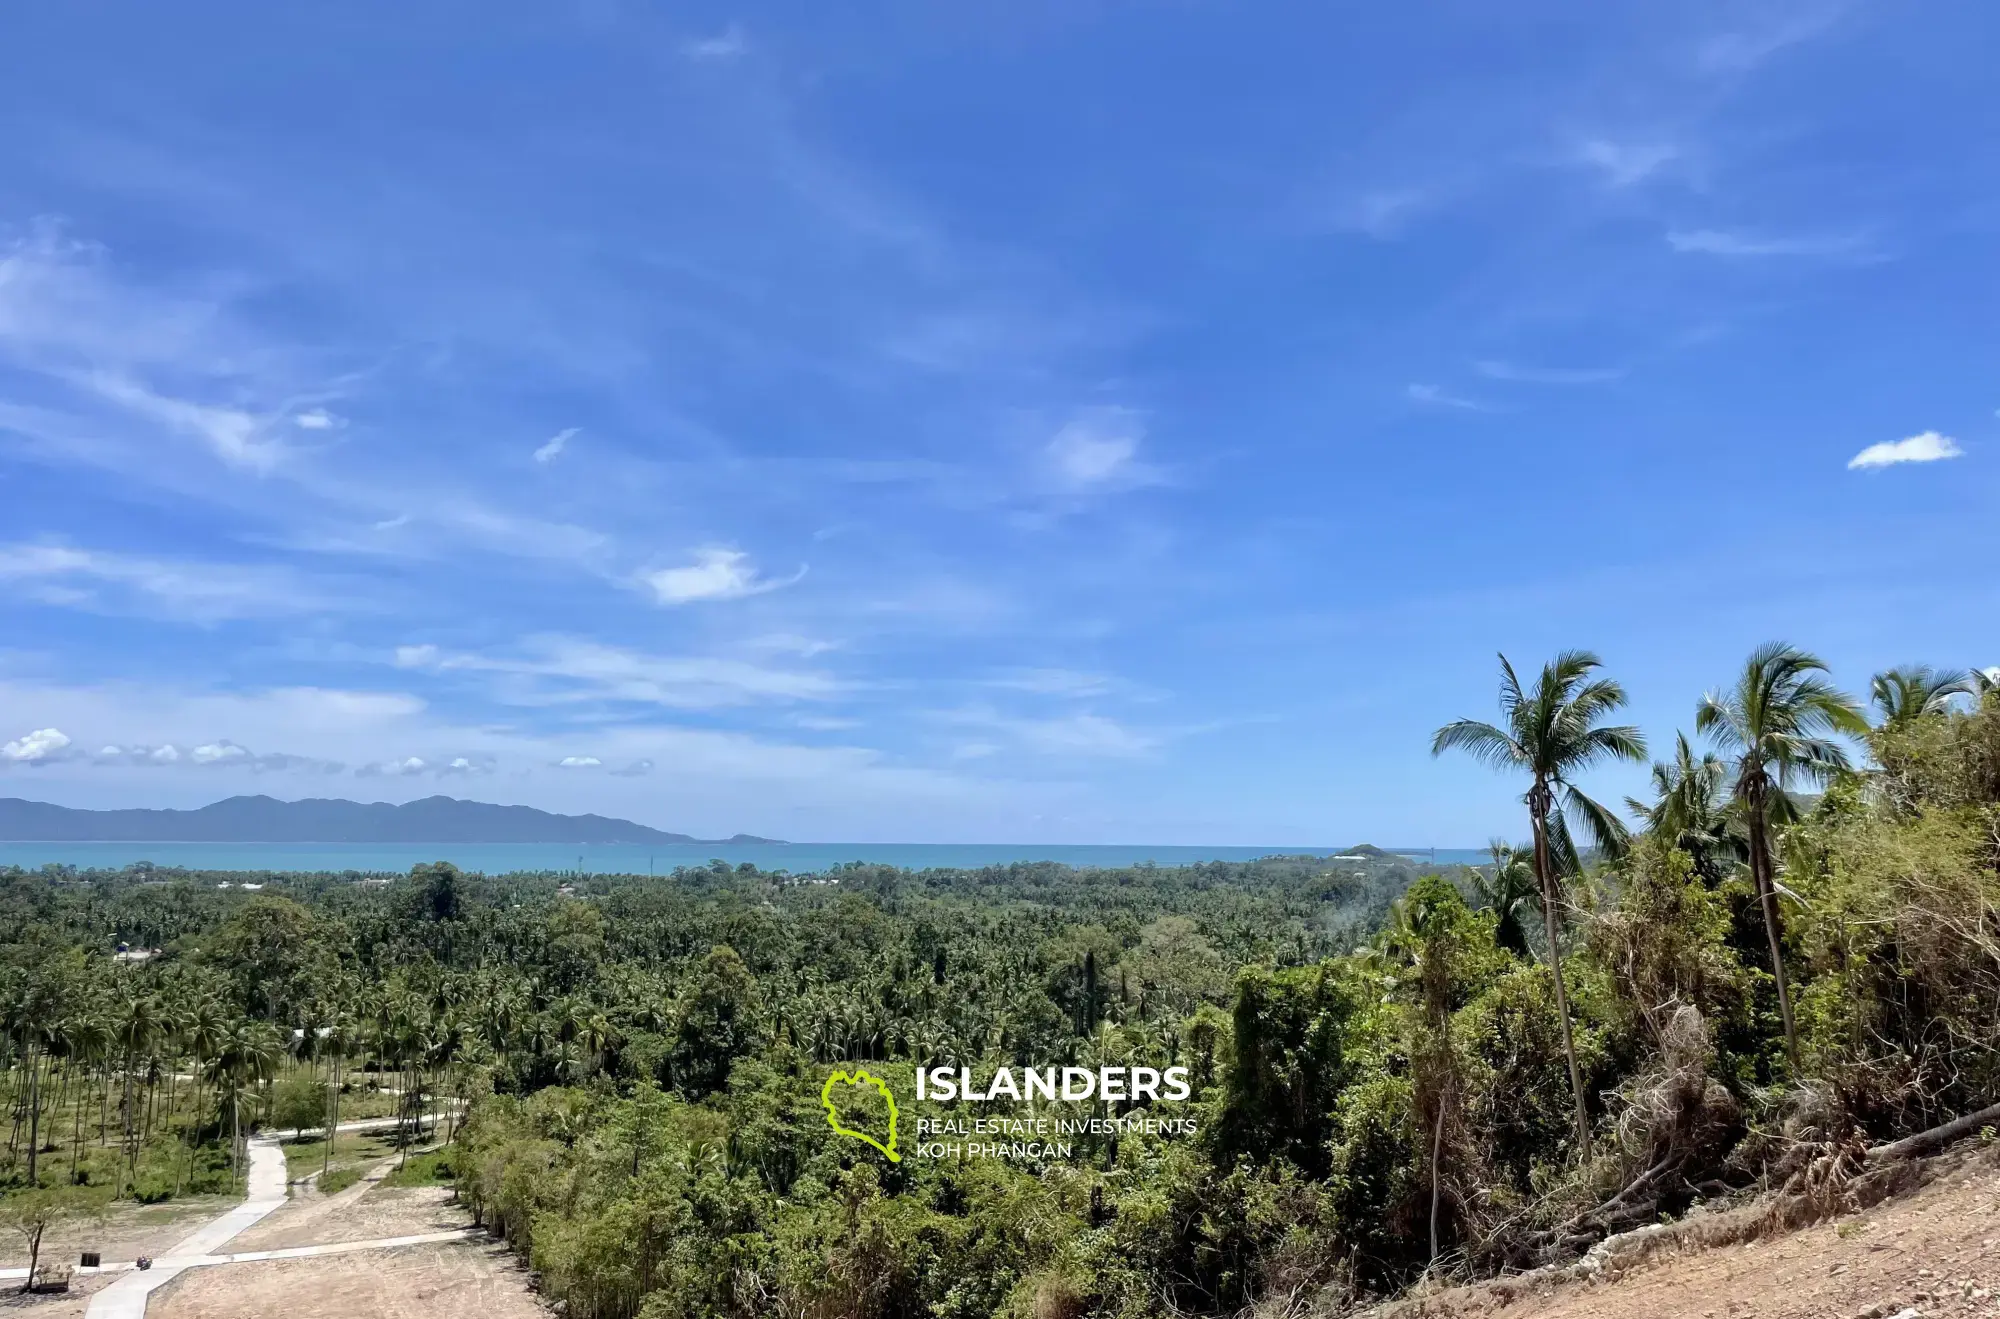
pixel 640 859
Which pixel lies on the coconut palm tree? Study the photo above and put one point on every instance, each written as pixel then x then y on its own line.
pixel 1552 733
pixel 1903 695
pixel 1509 891
pixel 1779 722
pixel 137 1027
pixel 1689 808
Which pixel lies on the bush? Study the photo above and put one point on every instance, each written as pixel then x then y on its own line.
pixel 424 1170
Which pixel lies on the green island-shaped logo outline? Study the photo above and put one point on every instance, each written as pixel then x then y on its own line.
pixel 833 1114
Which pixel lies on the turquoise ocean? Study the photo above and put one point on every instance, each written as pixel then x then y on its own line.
pixel 504 858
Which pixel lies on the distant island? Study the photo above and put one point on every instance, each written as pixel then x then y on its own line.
pixel 263 819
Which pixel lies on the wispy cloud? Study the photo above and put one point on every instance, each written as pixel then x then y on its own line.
pixel 238 438
pixel 555 669
pixel 186 591
pixel 717 573
pixel 1743 48
pixel 1433 396
pixel 547 453
pixel 1098 450
pixel 1054 682
pixel 1514 373
pixel 1622 164
pixel 727 44
pixel 1384 213
pixel 1928 447
pixel 1735 243
pixel 1082 734
pixel 317 419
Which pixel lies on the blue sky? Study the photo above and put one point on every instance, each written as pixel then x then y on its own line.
pixel 1074 422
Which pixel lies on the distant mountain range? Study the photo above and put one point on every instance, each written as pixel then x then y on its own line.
pixel 327 820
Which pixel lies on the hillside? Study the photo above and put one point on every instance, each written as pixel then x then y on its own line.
pixel 1932 1253
pixel 261 819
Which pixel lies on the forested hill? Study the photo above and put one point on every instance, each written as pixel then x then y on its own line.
pixel 326 820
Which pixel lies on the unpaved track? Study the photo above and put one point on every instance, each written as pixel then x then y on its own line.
pixel 472 1280
pixel 1936 1251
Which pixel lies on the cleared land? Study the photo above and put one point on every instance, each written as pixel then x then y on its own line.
pixel 126 1231
pixel 458 1281
pixel 1936 1251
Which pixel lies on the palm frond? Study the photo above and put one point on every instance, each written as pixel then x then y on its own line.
pixel 1605 830
pixel 1480 740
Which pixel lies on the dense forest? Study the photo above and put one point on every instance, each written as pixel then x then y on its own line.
pixel 1785 954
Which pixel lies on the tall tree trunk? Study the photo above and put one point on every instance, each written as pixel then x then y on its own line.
pixel 131 1151
pixel 1767 897
pixel 1437 1152
pixel 333 1123
pixel 76 1130
pixel 34 1111
pixel 1538 810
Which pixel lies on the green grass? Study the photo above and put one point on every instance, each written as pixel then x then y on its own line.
pixel 308 1156
pixel 338 1180
pixel 432 1169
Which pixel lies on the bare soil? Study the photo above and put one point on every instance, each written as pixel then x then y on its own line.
pixel 363 1212
pixel 126 1231
pixel 1936 1251
pixel 460 1280
pixel 17 1304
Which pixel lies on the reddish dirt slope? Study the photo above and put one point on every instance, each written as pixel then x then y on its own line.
pixel 1936 1251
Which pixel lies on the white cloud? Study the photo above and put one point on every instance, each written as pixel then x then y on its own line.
pixel 218 753
pixel 579 762
pixel 1431 396
pixel 34 748
pixel 727 44
pixel 1731 243
pixel 547 453
pixel 706 781
pixel 1623 164
pixel 235 436
pixel 316 419
pixel 1054 682
pixel 407 767
pixel 558 669
pixel 1929 447
pixel 1077 735
pixel 1743 50
pixel 167 754
pixel 179 589
pixel 1383 213
pixel 717 573
pixel 1540 375
pixel 1098 450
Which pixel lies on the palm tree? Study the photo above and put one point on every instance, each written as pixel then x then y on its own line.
pixel 339 1043
pixel 136 1029
pixel 1778 721
pixel 246 1054
pixel 1507 892
pixel 1904 695
pixel 1688 808
pixel 1552 733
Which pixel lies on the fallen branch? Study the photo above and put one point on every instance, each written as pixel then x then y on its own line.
pixel 1930 1142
